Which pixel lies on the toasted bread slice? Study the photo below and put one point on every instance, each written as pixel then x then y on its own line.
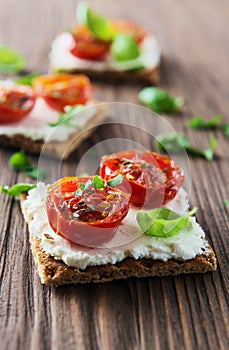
pixel 150 76
pixel 61 60
pixel 56 272
pixel 57 149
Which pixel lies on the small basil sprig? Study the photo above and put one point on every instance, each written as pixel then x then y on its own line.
pixel 17 190
pixel 66 119
pixel 226 202
pixel 124 47
pixel 162 222
pixel 225 130
pixel 97 183
pixel 27 79
pixel 116 181
pixel 175 143
pixel 11 62
pixel 199 123
pixel 99 25
pixel 160 101
pixel 214 123
pixel 19 161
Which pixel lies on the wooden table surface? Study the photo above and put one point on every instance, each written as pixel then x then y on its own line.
pixel 186 312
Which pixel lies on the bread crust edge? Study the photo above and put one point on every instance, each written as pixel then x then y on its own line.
pixel 54 272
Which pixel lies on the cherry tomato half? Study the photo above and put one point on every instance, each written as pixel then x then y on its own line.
pixel 87 46
pixel 62 90
pixel 152 179
pixel 16 102
pixel 87 217
pixel 129 27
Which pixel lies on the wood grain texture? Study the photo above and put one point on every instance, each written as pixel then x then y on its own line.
pixel 185 312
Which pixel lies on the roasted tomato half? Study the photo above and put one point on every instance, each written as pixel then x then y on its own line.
pixel 87 46
pixel 83 214
pixel 16 102
pixel 129 27
pixel 62 90
pixel 150 178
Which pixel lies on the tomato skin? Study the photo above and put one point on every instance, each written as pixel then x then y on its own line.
pixel 128 27
pixel 87 46
pixel 16 102
pixel 62 90
pixel 152 179
pixel 83 226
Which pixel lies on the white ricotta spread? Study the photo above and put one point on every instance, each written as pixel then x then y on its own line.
pixel 61 58
pixel 36 124
pixel 128 241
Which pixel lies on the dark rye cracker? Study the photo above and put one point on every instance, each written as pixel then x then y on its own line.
pixel 142 75
pixel 55 149
pixel 55 272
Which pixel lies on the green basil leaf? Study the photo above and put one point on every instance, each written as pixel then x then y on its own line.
pixel 34 172
pixel 226 202
pixel 81 188
pixel 160 101
pixel 175 143
pixel 124 48
pixel 225 130
pixel 209 153
pixel 11 62
pixel 172 142
pixel 97 182
pixel 67 119
pixel 27 79
pixel 199 123
pixel 78 193
pixel 117 180
pixel 17 189
pixel 162 222
pixel 19 161
pixel 99 25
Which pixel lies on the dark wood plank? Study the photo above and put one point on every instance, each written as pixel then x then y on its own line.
pixel 186 312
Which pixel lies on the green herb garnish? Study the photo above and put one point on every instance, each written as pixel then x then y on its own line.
pixel 162 222
pixel 35 173
pixel 116 181
pixel 175 143
pixel 160 101
pixel 172 142
pixel 97 182
pixel 97 24
pixel 124 48
pixel 80 189
pixel 11 62
pixel 225 130
pixel 226 202
pixel 19 161
pixel 17 189
pixel 199 123
pixel 27 79
pixel 67 118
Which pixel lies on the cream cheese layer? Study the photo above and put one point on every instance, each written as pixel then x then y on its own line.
pixel 128 241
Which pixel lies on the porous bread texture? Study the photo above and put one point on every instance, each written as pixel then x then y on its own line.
pixel 143 75
pixel 54 272
pixel 61 150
